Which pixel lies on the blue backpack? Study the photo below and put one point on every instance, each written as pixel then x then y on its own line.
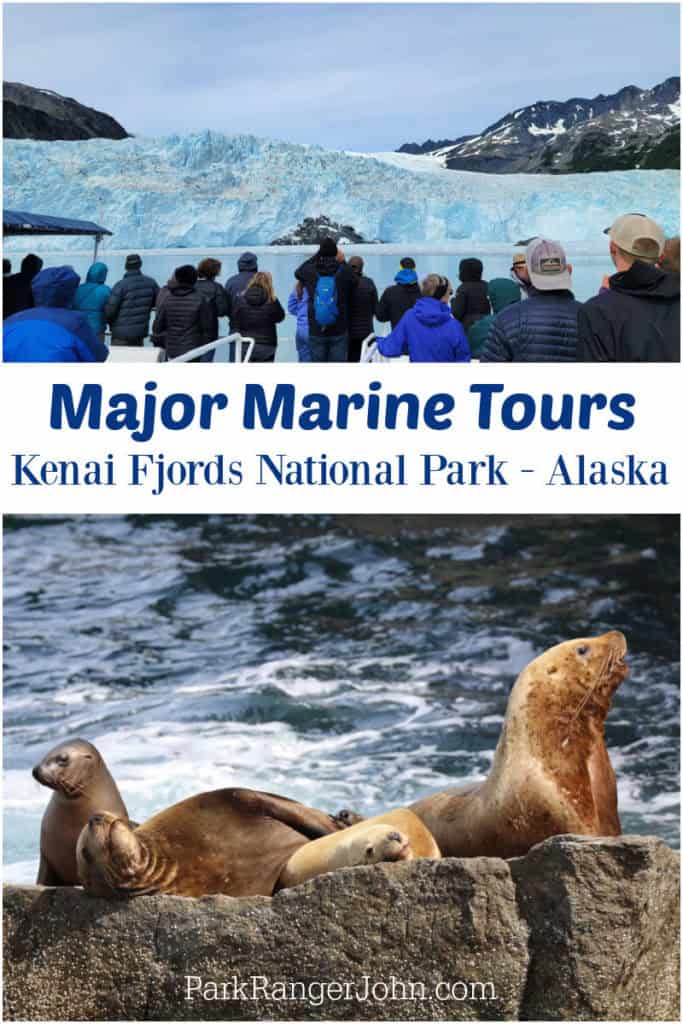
pixel 325 309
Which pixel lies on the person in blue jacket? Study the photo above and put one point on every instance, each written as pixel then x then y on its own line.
pixel 92 296
pixel 427 332
pixel 52 332
pixel 297 304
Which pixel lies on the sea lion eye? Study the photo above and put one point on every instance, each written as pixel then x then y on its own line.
pixel 582 650
pixel 369 852
pixel 62 759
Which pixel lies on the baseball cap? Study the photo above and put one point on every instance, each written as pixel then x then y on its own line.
pixel 635 234
pixel 547 265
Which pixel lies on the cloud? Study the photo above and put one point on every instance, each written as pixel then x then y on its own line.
pixel 342 75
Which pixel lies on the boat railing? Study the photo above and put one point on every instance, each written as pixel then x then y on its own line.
pixel 241 351
pixel 369 352
pixel 238 353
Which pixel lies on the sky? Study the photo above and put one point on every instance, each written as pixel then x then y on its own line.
pixel 364 77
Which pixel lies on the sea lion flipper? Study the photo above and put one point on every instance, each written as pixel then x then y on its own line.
pixel 346 817
pixel 310 823
pixel 46 873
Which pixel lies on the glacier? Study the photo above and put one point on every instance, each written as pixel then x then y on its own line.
pixel 213 190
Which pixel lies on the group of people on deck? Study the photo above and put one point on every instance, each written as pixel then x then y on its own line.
pixel 531 316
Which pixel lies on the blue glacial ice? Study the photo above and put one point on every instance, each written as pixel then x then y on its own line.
pixel 210 189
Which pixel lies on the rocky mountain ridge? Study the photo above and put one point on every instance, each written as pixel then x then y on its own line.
pixel 30 113
pixel 631 129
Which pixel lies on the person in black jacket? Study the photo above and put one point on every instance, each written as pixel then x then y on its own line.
pixel 544 328
pixel 637 318
pixel 235 286
pixel 329 340
pixel 184 319
pixel 471 301
pixel 131 301
pixel 256 314
pixel 215 294
pixel 398 298
pixel 362 306
pixel 16 288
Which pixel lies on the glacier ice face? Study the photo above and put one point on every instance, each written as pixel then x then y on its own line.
pixel 217 190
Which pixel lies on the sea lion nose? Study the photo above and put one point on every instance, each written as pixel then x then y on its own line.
pixel 618 641
pixel 395 837
pixel 36 773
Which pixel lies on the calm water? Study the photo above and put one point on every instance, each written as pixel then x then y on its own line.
pixel 342 661
pixel 591 262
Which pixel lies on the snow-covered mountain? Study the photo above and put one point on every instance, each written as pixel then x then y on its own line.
pixel 216 190
pixel 629 129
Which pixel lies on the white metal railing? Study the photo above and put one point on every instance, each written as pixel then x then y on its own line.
pixel 369 353
pixel 242 351
pixel 211 346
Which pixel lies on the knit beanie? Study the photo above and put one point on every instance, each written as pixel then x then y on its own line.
pixel 328 247
pixel 133 262
pixel 471 270
pixel 186 275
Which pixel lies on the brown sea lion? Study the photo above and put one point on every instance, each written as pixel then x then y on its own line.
pixel 82 785
pixel 396 835
pixel 551 772
pixel 232 841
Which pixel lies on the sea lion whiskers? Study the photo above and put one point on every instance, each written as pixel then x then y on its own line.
pixel 612 664
pixel 605 669
pixel 71 790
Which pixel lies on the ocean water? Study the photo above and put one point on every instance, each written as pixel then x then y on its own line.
pixel 590 262
pixel 343 661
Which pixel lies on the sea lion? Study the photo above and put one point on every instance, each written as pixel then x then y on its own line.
pixel 551 772
pixel 396 835
pixel 82 785
pixel 232 841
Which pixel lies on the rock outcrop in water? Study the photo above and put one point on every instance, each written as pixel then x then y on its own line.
pixel 312 230
pixel 578 929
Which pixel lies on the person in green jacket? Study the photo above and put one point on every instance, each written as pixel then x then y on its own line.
pixel 502 293
pixel 92 296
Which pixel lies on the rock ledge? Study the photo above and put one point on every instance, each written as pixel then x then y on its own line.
pixel 579 929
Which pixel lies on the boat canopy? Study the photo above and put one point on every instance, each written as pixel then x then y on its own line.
pixel 18 222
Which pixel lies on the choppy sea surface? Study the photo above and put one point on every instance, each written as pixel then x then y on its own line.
pixel 343 661
pixel 590 262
